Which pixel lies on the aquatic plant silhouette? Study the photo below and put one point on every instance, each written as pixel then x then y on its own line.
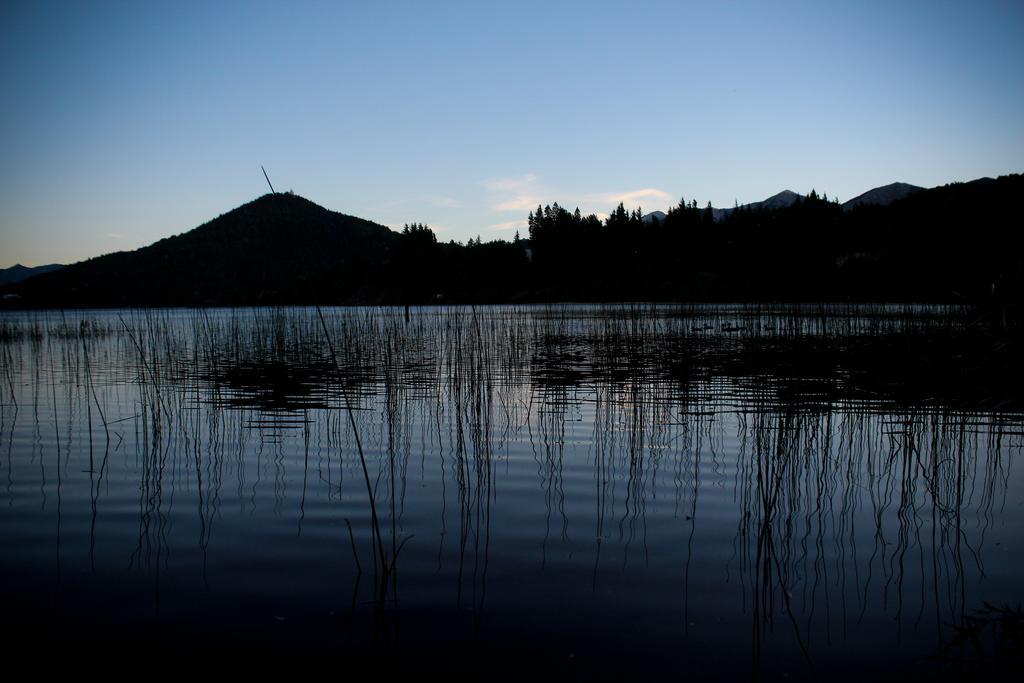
pixel 800 462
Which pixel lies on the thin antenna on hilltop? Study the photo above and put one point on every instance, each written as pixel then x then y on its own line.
pixel 272 190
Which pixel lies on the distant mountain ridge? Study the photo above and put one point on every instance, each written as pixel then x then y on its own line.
pixel 18 272
pixel 776 201
pixel 881 196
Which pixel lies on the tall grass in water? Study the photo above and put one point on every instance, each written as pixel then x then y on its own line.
pixel 835 424
pixel 385 567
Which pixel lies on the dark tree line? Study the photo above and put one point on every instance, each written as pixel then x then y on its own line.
pixel 954 243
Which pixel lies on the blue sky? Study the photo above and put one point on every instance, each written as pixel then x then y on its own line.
pixel 122 123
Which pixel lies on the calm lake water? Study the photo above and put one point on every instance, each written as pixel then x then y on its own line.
pixel 710 492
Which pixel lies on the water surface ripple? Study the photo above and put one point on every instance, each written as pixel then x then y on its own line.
pixel 683 492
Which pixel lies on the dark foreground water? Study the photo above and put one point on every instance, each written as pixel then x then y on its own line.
pixel 591 492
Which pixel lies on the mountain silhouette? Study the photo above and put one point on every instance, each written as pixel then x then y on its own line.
pixel 18 272
pixel 776 201
pixel 882 196
pixel 279 248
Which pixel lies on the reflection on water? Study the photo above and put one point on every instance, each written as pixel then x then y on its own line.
pixel 724 492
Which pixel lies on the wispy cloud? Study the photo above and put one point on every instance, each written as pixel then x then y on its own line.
pixel 520 193
pixel 516 184
pixel 648 193
pixel 602 203
pixel 639 195
pixel 442 201
pixel 522 202
pixel 509 225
